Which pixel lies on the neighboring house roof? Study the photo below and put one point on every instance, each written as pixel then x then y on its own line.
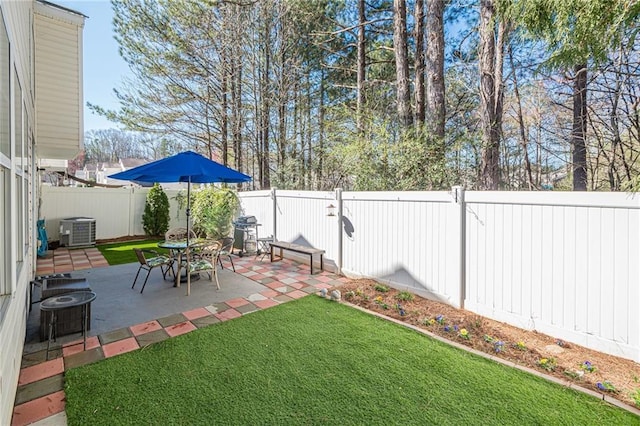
pixel 129 163
pixel 66 9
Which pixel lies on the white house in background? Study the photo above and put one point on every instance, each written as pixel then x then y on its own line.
pixel 41 104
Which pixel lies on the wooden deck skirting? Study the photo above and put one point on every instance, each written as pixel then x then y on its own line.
pixel 282 245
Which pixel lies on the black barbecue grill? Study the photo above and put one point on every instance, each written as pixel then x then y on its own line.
pixel 245 235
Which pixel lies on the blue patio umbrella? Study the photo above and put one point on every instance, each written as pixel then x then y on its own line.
pixel 189 167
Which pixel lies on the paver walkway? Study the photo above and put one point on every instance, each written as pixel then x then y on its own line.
pixel 40 393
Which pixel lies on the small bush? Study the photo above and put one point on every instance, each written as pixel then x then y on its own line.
pixel 155 219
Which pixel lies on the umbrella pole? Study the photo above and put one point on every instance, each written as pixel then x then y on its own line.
pixel 188 248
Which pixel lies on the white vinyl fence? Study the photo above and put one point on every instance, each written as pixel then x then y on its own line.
pixel 566 264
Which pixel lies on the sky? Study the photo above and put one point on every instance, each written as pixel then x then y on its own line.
pixel 104 69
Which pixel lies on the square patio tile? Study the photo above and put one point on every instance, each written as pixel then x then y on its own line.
pixel 152 337
pixel 323 285
pixel 276 285
pixel 297 294
pixel 38 409
pixel 264 304
pixel 269 293
pixel 41 371
pixel 245 309
pixel 114 336
pixel 205 321
pixel 234 303
pixel 256 296
pixel 33 358
pixel 309 289
pixel 196 313
pixel 172 320
pixel 78 346
pixel 146 327
pixel 120 347
pixel 39 389
pixel 228 314
pixel 282 298
pixel 181 328
pixel 217 307
pixel 83 358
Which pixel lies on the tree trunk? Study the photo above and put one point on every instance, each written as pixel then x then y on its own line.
pixel 236 90
pixel 224 113
pixel 320 151
pixel 578 131
pixel 419 64
pixel 282 119
pixel 490 165
pixel 524 140
pixel 361 67
pixel 435 69
pixel 263 166
pixel 403 95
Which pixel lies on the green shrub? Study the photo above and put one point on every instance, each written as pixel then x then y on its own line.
pixel 155 219
pixel 213 210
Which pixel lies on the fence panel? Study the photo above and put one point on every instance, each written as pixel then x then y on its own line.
pixel 260 205
pixel 110 207
pixel 302 218
pixel 562 265
pixel 409 239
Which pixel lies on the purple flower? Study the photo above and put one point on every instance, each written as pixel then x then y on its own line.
pixel 600 386
pixel 447 328
pixel 455 328
pixel 439 318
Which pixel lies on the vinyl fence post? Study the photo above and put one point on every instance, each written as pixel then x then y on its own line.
pixel 339 259
pixel 274 207
pixel 130 211
pixel 457 192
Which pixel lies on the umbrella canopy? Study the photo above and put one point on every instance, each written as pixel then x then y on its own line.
pixel 187 167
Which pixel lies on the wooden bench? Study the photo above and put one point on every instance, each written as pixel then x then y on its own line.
pixel 282 245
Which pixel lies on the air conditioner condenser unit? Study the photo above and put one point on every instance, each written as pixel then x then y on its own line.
pixel 77 231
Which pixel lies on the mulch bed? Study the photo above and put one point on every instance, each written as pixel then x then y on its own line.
pixel 587 368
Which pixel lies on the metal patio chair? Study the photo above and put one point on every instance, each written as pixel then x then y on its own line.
pixel 165 264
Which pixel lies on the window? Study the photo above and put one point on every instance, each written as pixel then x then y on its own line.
pixel 5 94
pixel 19 160
pixel 6 259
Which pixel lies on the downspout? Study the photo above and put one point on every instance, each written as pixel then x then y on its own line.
pixel 339 259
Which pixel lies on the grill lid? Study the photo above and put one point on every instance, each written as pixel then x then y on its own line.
pixel 246 220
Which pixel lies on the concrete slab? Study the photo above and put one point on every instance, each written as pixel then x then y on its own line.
pixel 118 306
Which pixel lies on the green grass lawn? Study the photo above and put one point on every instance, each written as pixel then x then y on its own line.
pixel 119 253
pixel 313 361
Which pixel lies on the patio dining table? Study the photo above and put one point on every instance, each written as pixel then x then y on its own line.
pixel 176 250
